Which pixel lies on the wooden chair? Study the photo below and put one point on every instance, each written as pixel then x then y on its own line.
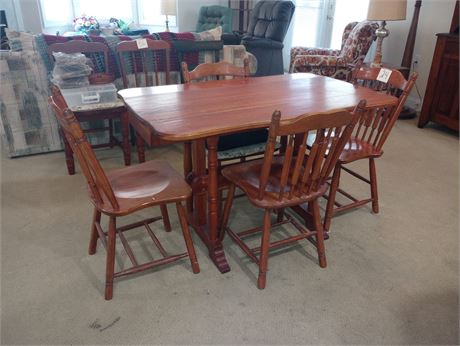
pixel 125 191
pixel 98 52
pixel 297 176
pixel 143 67
pixel 238 146
pixel 371 132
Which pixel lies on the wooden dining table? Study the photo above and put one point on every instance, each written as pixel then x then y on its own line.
pixel 201 112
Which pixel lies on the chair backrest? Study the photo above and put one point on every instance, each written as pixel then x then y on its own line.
pixel 101 191
pixel 215 71
pixel 346 32
pixel 148 64
pixel 213 16
pixel 358 42
pixel 305 169
pixel 270 19
pixel 375 124
pixel 96 51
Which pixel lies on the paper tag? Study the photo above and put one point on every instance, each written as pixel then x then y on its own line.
pixel 141 43
pixel 384 75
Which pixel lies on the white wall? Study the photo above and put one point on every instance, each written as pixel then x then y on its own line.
pixel 435 17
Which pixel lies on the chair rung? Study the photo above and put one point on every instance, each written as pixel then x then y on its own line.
pixel 102 235
pixel 353 173
pixel 352 205
pixel 99 129
pixel 148 265
pixel 242 245
pixel 155 240
pixel 346 194
pixel 139 223
pixel 259 229
pixel 127 248
pixel 282 242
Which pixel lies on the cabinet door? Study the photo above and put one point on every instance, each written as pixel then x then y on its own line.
pixel 445 101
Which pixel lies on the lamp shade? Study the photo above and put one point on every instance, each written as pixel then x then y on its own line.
pixel 168 7
pixel 387 10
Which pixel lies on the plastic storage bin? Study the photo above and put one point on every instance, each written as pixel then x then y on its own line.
pixel 102 93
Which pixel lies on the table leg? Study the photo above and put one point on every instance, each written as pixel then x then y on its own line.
pixel 216 251
pixel 199 170
pixel 208 233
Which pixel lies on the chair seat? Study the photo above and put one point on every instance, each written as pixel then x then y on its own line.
pixel 243 151
pixel 357 149
pixel 246 176
pixel 147 184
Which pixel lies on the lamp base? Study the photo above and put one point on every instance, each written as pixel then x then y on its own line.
pixel 167 24
pixel 381 33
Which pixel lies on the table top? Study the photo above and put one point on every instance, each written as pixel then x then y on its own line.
pixel 200 110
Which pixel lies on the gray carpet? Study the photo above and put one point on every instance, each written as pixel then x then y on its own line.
pixel 392 278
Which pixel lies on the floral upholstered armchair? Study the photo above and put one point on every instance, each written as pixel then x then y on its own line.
pixel 356 41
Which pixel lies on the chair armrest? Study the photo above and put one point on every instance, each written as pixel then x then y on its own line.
pixel 317 60
pixel 295 51
pixel 231 38
pixel 185 46
pixel 255 42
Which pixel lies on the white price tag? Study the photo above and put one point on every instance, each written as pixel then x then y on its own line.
pixel 384 75
pixel 141 43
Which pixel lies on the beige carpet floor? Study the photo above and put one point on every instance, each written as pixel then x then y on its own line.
pixel 392 278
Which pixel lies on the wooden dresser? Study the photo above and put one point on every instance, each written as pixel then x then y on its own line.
pixel 440 103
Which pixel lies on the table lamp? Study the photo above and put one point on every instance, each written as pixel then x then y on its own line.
pixel 168 8
pixel 384 10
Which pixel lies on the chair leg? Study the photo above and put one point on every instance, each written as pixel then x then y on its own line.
pixel 125 138
pixel 140 148
pixel 94 234
pixel 280 215
pixel 111 138
pixel 68 154
pixel 373 179
pixel 110 264
pixel 319 234
pixel 227 208
pixel 264 248
pixel 332 193
pixel 187 238
pixel 165 216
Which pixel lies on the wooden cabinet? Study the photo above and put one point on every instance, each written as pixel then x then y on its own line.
pixel 440 103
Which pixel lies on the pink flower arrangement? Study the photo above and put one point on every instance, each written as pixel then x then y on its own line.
pixel 85 23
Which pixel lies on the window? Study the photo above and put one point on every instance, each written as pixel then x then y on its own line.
pixel 149 13
pixel 320 23
pixel 62 12
pixel 57 12
pixel 105 9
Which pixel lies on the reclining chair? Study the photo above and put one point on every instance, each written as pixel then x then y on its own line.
pixel 213 16
pixel 356 41
pixel 264 37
